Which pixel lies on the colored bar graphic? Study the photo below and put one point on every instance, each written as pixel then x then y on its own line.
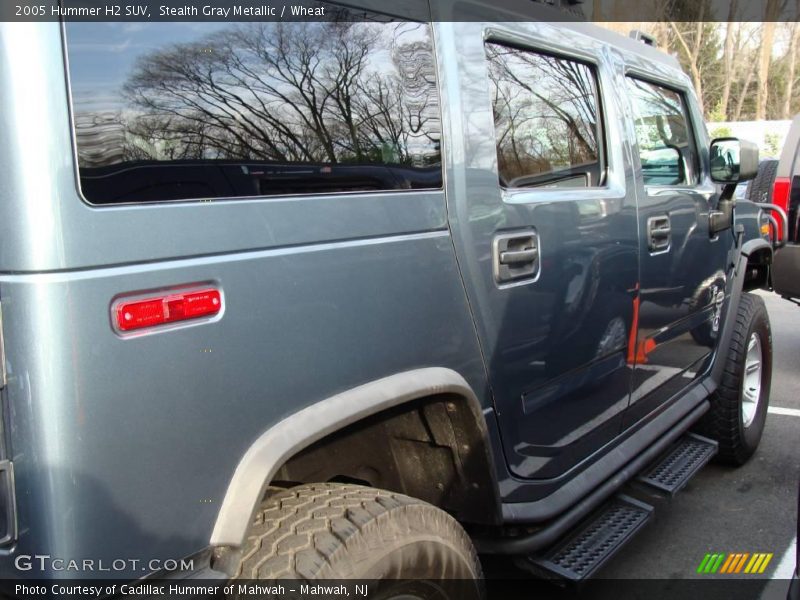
pixel 764 564
pixel 753 563
pixel 737 562
pixel 728 566
pixel 718 563
pixel 704 563
pixel 741 562
pixel 730 563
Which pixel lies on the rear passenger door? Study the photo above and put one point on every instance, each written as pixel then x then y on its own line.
pixel 682 265
pixel 545 233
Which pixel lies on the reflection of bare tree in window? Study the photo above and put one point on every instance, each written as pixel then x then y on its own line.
pixel 310 92
pixel 545 111
pixel 662 109
pixel 661 123
pixel 396 110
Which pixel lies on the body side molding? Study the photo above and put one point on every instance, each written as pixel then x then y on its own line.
pixel 300 430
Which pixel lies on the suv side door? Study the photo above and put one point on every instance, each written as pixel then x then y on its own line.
pixel 545 233
pixel 683 277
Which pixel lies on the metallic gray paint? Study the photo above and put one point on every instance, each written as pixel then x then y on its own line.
pixel 126 447
pixel 101 425
pixel 526 323
pixel 45 225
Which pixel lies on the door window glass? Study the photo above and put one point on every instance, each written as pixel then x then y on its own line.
pixel 546 118
pixel 218 110
pixel 666 147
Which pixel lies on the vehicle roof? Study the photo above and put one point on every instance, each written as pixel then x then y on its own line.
pixel 515 10
pixel 626 44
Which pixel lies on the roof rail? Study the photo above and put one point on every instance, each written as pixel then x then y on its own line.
pixel 641 36
pixel 571 7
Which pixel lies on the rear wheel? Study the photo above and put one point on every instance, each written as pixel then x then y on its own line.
pixel 739 406
pixel 342 531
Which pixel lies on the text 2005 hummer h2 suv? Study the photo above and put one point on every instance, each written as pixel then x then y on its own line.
pixel 361 299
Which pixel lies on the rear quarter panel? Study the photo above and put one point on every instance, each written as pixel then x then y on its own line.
pixel 124 446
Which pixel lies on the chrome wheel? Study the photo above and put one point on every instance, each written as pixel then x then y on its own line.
pixel 751 382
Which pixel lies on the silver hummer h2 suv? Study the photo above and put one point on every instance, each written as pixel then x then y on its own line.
pixel 362 297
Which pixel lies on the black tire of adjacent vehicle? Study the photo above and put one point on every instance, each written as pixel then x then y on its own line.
pixel 760 189
pixel 341 531
pixel 723 422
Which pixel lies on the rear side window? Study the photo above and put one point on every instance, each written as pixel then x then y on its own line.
pixel 546 119
pixel 666 146
pixel 213 110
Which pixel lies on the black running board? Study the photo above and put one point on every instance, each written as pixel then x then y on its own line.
pixel 590 544
pixel 553 532
pixel 593 543
pixel 677 466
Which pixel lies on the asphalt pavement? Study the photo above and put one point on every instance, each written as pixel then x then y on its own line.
pixel 747 509
pixel 734 510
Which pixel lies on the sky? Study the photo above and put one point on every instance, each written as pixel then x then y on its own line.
pixel 102 54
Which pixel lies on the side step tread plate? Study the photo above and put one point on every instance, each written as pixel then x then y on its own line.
pixel 590 546
pixel 678 464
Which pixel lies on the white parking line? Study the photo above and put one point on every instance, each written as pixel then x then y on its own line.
pixel 789 412
pixel 777 588
pixel 785 568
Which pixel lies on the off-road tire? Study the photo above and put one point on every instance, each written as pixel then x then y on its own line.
pixel 332 531
pixel 760 189
pixel 724 421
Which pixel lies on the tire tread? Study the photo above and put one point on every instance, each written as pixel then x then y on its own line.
pixel 299 531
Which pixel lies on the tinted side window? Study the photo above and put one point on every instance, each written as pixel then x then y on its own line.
pixel 214 110
pixel 666 147
pixel 546 117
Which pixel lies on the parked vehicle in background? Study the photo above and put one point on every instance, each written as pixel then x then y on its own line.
pixel 786 196
pixel 362 299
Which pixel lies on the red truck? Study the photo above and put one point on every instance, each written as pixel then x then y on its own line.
pixel 786 196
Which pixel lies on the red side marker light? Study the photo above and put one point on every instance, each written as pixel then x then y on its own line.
pixel 160 310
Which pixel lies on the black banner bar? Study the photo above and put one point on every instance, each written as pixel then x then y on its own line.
pixel 412 10
pixel 731 588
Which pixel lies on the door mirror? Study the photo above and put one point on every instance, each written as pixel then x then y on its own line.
pixel 733 160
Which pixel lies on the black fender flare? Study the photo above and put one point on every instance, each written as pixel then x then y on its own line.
pixel 736 289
